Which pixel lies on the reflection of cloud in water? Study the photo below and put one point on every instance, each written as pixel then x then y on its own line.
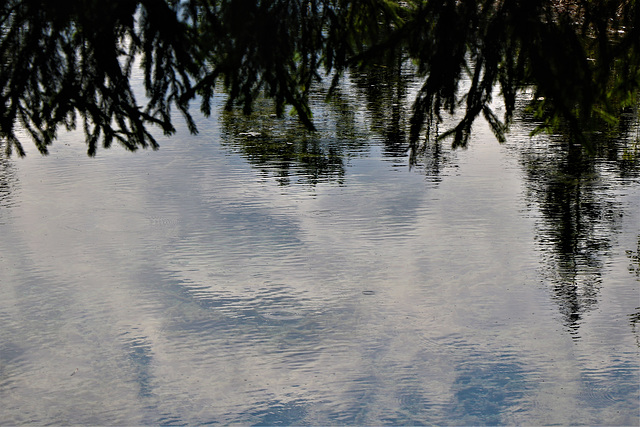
pixel 489 389
pixel 275 315
pixel 139 350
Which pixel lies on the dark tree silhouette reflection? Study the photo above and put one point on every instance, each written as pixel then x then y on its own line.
pixel 384 85
pixel 8 182
pixel 580 212
pixel 286 151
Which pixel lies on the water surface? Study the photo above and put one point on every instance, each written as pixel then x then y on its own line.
pixel 255 274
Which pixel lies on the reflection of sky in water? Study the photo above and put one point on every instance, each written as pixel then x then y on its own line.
pixel 186 287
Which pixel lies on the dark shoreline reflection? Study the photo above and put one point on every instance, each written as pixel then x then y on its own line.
pixel 581 215
pixel 284 150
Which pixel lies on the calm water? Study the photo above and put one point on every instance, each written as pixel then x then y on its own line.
pixel 318 279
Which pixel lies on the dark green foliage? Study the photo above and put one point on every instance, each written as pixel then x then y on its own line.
pixel 64 65
pixel 70 64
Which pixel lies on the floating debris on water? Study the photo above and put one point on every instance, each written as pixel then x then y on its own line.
pixel 251 134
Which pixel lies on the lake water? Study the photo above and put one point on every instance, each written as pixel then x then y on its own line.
pixel 254 274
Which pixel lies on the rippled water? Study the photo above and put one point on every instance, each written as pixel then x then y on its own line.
pixel 254 274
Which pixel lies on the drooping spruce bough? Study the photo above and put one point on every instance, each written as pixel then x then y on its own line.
pixel 70 66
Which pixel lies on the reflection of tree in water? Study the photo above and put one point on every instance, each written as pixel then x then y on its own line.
pixel 388 87
pixel 284 149
pixel 8 182
pixel 371 102
pixel 634 268
pixel 580 212
pixel 384 86
pixel 634 260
